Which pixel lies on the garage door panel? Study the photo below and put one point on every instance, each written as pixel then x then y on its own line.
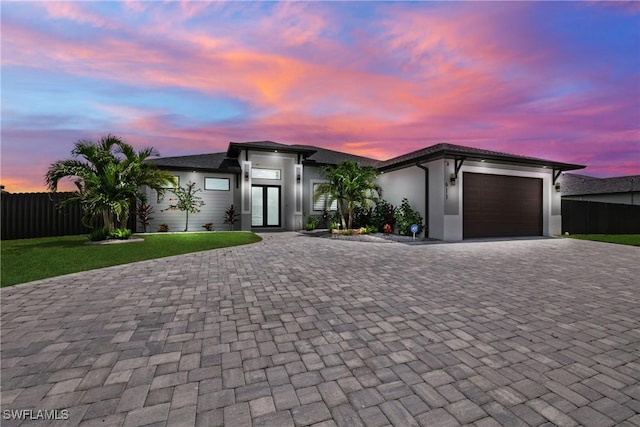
pixel 501 206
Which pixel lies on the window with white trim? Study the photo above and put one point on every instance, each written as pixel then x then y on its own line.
pixel 217 184
pixel 319 204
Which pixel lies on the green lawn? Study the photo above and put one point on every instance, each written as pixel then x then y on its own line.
pixel 622 239
pixel 33 259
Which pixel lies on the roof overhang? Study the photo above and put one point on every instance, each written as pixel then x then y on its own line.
pixel 460 155
pixel 236 147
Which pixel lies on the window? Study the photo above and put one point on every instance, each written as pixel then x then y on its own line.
pixel 258 173
pixel 320 203
pixel 218 184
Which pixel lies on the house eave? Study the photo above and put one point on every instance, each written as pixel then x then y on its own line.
pixel 236 147
pixel 493 158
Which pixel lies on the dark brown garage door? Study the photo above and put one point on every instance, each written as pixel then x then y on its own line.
pixel 501 206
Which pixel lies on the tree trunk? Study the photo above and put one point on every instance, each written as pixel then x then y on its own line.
pixel 107 217
pixel 124 220
pixel 350 210
pixel 341 211
pixel 186 225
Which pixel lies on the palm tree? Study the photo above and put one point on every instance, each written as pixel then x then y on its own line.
pixel 138 172
pixel 108 176
pixel 350 185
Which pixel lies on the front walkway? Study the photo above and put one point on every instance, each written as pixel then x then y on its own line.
pixel 301 331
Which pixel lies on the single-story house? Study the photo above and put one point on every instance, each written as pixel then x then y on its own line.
pixel 623 190
pixel 462 192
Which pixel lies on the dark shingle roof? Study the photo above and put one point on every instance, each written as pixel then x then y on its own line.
pixel 460 151
pixel 577 185
pixel 211 161
pixel 312 155
pixel 324 156
pixel 227 162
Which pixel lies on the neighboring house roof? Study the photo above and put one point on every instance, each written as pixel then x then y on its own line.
pixel 227 162
pixel 578 185
pixel 461 152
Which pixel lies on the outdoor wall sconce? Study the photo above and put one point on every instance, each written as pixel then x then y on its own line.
pixel 246 175
pixel 452 179
pixel 557 187
pixel 298 178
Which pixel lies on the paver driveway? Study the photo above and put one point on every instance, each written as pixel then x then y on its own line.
pixel 298 330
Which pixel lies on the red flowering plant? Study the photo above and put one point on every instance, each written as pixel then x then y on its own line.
pixel 186 201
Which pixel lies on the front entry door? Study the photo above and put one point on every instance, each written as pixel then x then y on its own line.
pixel 265 206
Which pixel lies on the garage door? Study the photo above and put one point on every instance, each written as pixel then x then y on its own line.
pixel 501 206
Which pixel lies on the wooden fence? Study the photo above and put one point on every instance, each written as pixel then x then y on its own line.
pixel 29 215
pixel 583 217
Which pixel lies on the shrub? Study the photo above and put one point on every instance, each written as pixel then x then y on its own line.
pixel 231 216
pixel 311 224
pixel 163 228
pixel 144 212
pixel 208 226
pixel 386 229
pixel 406 217
pixel 334 226
pixel 325 219
pixel 384 213
pixel 99 234
pixel 121 234
pixel 361 216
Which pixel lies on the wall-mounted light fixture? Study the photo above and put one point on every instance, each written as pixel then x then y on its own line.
pixel 246 175
pixel 452 179
pixel 298 178
pixel 557 187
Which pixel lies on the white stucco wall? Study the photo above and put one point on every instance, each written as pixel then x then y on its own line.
pixel 407 183
pixel 216 203
pixel 445 199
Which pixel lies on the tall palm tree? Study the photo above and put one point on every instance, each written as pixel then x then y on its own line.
pixel 107 175
pixel 350 185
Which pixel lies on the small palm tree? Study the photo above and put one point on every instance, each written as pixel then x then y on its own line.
pixel 107 175
pixel 350 185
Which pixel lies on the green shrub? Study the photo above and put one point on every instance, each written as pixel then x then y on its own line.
pixel 99 234
pixel 121 234
pixel 208 226
pixel 163 228
pixel 384 213
pixel 311 224
pixel 405 217
pixel 361 216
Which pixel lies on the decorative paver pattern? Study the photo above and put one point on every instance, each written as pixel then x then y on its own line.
pixel 296 331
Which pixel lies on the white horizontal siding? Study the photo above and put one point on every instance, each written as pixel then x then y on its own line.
pixel 215 205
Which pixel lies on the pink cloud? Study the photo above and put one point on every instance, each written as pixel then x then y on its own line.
pixel 448 73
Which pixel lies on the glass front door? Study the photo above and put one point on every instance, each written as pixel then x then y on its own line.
pixel 265 206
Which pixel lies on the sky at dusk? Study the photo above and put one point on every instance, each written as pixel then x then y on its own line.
pixel 557 80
